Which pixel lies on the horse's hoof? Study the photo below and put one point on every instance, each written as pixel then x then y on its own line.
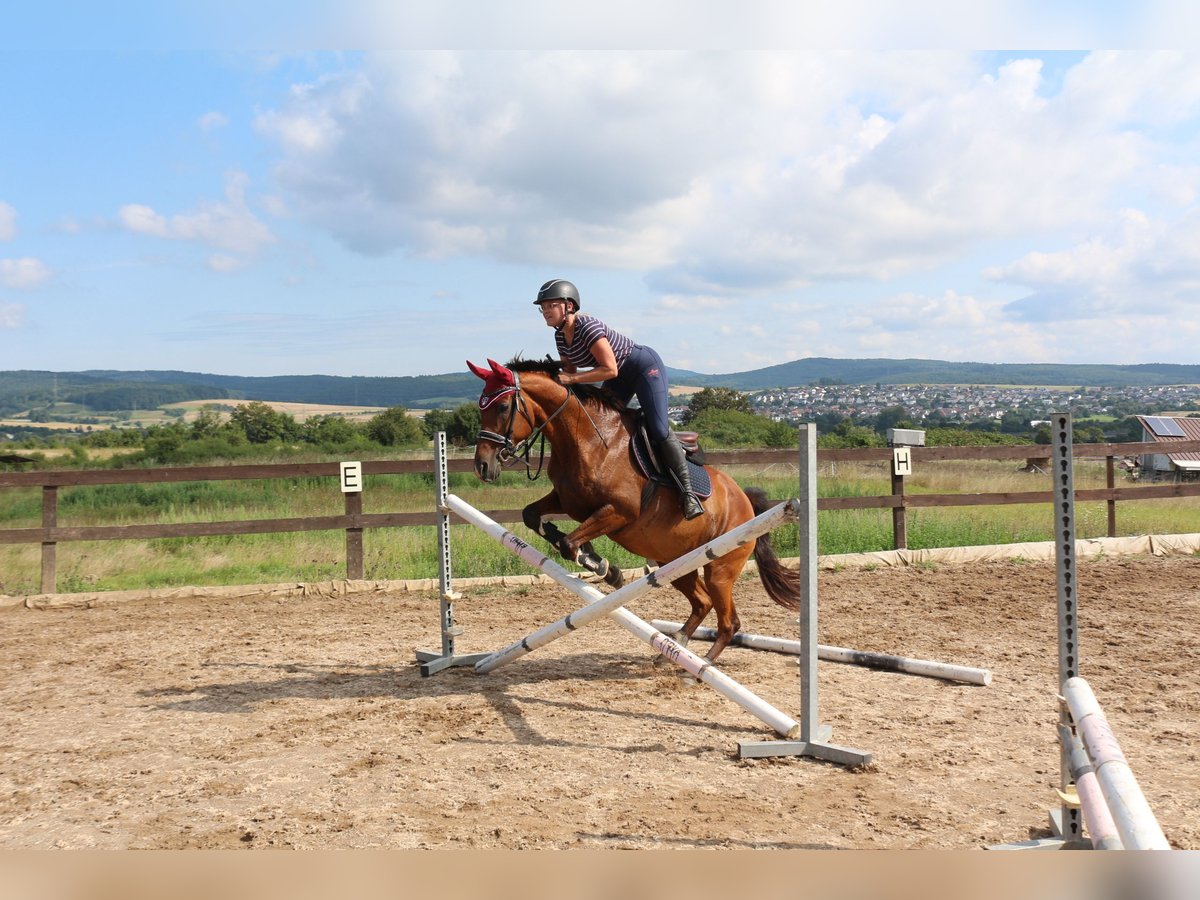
pixel 615 577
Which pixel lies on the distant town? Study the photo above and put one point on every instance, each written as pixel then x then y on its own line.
pixel 942 404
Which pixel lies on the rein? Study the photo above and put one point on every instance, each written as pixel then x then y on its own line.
pixel 520 452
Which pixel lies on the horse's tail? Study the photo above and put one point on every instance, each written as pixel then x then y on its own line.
pixel 782 584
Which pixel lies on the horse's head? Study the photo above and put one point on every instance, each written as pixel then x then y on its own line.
pixel 498 405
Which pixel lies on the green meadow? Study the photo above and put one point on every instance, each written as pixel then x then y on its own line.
pixel 403 553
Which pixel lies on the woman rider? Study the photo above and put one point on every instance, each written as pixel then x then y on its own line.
pixel 584 342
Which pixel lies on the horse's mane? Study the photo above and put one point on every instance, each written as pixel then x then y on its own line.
pixel 552 367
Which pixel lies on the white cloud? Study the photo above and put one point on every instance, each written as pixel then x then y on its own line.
pixel 723 174
pixel 1137 266
pixel 12 315
pixel 212 121
pixel 143 220
pixel 24 274
pixel 229 225
pixel 693 303
pixel 224 263
pixel 8 222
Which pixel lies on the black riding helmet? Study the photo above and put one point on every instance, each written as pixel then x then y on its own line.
pixel 558 289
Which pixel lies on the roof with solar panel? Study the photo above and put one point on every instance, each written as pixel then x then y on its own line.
pixel 1174 428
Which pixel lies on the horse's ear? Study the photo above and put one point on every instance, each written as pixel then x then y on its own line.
pixel 478 370
pixel 505 375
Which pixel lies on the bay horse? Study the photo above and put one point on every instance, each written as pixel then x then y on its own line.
pixel 596 482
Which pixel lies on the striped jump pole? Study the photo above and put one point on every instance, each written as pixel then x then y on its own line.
pixel 601 604
pixel 1135 821
pixel 1096 815
pixel 885 661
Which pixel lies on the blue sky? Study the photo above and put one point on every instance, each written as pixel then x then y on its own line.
pixel 280 190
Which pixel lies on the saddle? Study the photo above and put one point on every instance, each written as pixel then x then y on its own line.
pixel 649 465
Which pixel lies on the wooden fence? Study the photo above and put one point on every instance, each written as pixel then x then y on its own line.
pixel 353 521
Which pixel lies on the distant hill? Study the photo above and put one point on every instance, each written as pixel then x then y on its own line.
pixel 934 371
pixel 103 390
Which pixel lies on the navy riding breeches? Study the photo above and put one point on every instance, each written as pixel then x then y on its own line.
pixel 644 374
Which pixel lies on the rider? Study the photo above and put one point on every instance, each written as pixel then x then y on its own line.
pixel 627 368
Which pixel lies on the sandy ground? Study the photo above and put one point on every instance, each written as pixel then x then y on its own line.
pixel 305 723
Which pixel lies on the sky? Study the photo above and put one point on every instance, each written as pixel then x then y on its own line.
pixel 379 188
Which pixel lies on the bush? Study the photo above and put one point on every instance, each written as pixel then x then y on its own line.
pixel 394 427
pixel 262 425
pixel 730 428
pixel 461 424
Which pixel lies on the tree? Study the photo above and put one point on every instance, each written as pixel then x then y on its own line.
pixel 394 427
pixel 261 424
pixel 732 428
pixel 435 420
pixel 206 423
pixel 892 417
pixel 330 431
pixel 1012 422
pixel 716 398
pixel 847 434
pixel 461 424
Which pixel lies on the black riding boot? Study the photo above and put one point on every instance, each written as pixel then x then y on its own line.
pixel 671 453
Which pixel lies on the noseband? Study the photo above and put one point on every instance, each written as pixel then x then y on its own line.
pixel 508 450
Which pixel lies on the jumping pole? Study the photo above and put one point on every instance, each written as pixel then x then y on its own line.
pixel 1134 820
pixel 883 661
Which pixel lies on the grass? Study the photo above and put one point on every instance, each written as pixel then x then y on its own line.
pixel 413 553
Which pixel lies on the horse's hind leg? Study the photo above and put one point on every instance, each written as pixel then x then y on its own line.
pixel 719 578
pixel 691 586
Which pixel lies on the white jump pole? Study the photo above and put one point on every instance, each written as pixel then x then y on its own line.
pixel 1102 830
pixel 610 604
pixel 1135 821
pixel 928 668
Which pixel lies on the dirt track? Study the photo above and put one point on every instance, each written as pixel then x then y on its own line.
pixel 304 723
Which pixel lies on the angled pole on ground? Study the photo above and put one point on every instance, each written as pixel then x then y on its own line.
pixel 432 662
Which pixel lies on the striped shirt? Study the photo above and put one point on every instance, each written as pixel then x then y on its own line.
pixel 588 330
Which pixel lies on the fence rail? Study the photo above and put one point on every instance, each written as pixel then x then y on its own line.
pixel 354 520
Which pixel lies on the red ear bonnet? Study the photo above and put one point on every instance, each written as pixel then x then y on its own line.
pixel 496 383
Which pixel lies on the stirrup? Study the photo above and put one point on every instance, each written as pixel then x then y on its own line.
pixel 691 506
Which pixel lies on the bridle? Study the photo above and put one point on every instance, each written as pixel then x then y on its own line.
pixel 520 452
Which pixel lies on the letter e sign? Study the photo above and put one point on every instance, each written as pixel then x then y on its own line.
pixel 351 477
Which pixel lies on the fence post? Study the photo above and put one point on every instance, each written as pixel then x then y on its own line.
pixel 49 548
pixel 899 513
pixel 354 538
pixel 1111 481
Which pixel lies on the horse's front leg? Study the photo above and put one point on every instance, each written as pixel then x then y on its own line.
pixel 577 546
pixel 580 551
pixel 536 517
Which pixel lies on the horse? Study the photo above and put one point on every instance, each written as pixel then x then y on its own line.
pixel 596 482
